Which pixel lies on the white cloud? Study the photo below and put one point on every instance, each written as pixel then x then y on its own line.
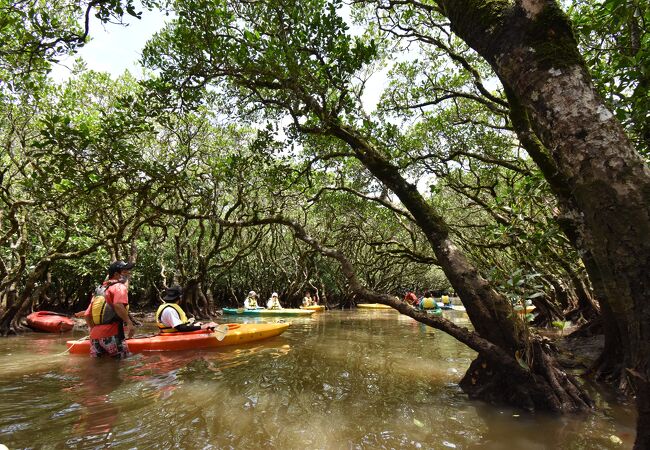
pixel 114 48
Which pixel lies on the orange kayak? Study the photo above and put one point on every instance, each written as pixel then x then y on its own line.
pixel 49 321
pixel 237 334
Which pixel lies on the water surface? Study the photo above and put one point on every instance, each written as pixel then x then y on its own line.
pixel 337 380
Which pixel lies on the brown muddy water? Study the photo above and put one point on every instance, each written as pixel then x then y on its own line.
pixel 337 380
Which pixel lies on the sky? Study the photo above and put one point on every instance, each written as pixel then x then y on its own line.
pixel 114 48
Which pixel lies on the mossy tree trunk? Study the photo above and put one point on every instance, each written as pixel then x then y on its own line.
pixel 546 386
pixel 605 182
pixel 520 370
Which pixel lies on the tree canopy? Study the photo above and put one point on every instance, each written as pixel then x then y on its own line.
pixel 491 166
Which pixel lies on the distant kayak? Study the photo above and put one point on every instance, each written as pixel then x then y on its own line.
pixel 268 312
pixel 449 307
pixel 314 307
pixel 237 334
pixel 49 322
pixel 520 309
pixel 373 306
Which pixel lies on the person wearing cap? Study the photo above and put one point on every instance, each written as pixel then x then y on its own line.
pixel 171 318
pixel 107 315
pixel 274 302
pixel 251 301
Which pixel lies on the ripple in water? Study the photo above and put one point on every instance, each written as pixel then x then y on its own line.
pixel 342 379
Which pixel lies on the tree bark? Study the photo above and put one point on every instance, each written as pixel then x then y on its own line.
pixel 531 47
pixel 530 378
pixel 9 322
pixel 490 312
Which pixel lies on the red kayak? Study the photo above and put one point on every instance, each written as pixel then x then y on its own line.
pixel 49 321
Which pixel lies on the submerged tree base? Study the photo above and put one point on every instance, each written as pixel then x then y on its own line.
pixel 546 388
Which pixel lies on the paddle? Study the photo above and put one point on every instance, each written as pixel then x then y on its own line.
pixel 143 336
pixel 220 332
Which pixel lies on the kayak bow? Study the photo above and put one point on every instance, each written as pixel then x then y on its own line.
pixel 49 321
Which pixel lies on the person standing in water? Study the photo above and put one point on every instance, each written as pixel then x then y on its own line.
pixel 107 315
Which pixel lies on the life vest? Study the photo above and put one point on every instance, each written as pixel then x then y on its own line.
pixel 445 299
pixel 274 304
pixel 102 312
pixel 252 303
pixel 428 303
pixel 181 314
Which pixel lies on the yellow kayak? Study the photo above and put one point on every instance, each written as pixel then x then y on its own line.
pixel 314 307
pixel 268 312
pixel 521 310
pixel 373 306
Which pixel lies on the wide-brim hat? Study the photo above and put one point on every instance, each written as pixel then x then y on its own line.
pixel 172 293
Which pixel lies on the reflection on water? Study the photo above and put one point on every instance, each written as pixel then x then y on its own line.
pixel 97 380
pixel 340 379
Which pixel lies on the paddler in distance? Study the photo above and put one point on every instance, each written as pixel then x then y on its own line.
pixel 171 318
pixel 251 301
pixel 274 302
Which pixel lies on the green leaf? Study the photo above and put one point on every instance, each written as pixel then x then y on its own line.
pixel 521 361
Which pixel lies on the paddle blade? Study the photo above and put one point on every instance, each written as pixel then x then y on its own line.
pixel 220 332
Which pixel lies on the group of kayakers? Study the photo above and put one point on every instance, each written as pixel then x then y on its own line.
pixel 107 315
pixel 251 301
pixel 427 300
